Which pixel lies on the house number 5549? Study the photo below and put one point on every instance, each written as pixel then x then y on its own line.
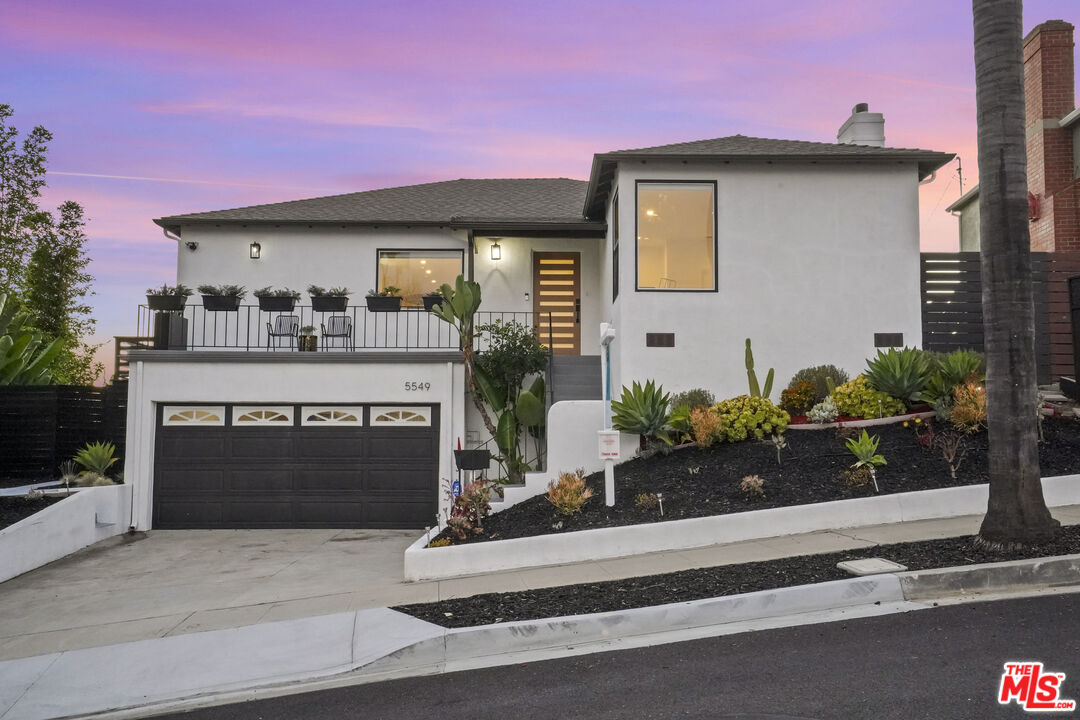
pixel 417 385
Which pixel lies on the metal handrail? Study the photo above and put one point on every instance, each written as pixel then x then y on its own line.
pixel 245 328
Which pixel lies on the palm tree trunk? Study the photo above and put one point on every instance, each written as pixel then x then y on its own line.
pixel 1016 513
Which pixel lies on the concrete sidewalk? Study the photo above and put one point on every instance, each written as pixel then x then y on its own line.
pixel 171 583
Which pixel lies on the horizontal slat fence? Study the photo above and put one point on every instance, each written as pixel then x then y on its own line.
pixel 952 319
pixel 42 426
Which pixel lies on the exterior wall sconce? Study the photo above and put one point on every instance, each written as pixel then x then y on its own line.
pixel 496 250
pixel 192 245
pixel 255 251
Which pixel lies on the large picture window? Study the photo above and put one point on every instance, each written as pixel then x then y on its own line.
pixel 418 272
pixel 676 236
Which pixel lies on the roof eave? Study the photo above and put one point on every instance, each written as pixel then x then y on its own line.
pixel 927 162
pixel 964 200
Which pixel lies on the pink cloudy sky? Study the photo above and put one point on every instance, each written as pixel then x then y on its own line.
pixel 173 106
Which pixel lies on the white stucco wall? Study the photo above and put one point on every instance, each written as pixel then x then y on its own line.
pixel 505 282
pixel 333 256
pixel 237 380
pixel 812 260
pixel 297 256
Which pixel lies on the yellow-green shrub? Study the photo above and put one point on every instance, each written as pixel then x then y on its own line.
pixel 705 426
pixel 743 416
pixel 569 494
pixel 856 398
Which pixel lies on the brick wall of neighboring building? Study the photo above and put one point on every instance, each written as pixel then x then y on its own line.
pixel 1049 96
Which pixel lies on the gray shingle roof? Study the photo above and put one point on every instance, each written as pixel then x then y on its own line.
pixel 741 147
pixel 529 201
pixel 744 146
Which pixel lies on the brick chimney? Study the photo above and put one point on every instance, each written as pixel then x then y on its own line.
pixel 1048 92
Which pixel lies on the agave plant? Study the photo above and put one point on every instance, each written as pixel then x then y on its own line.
pixel 643 411
pixel 951 371
pixel 96 457
pixel 902 375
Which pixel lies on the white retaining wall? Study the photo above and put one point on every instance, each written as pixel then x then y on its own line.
pixel 88 516
pixel 423 563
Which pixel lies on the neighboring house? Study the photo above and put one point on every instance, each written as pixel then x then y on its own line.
pixel 1052 121
pixel 810 249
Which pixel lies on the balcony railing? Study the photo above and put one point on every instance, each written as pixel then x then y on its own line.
pixel 247 328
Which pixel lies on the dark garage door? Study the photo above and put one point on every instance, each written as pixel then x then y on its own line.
pixel 296 466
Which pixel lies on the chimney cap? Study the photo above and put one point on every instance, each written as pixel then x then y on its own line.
pixel 861 108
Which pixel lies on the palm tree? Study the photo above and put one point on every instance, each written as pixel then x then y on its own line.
pixel 1016 513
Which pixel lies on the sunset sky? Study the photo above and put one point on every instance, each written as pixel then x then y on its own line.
pixel 160 107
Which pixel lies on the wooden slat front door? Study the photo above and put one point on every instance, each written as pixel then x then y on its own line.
pixel 557 290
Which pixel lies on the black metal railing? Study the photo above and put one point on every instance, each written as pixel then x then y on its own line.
pixel 250 328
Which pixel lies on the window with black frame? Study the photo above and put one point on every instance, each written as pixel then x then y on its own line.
pixel 416 273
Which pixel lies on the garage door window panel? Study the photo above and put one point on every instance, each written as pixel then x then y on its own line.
pixel 278 415
pixel 193 415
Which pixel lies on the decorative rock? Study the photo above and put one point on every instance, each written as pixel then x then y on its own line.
pixel 870 566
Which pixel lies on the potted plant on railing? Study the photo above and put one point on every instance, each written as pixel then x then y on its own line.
pixel 168 298
pixel 432 299
pixel 308 340
pixel 222 297
pixel 270 300
pixel 332 300
pixel 386 300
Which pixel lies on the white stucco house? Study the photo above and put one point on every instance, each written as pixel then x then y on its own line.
pixel 809 248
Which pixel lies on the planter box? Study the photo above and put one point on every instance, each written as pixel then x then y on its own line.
pixel 308 343
pixel 224 303
pixel 472 459
pixel 329 304
pixel 166 303
pixel 377 303
pixel 431 301
pixel 277 304
pixel 170 331
pixel 424 563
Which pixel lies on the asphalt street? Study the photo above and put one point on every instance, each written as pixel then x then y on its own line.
pixel 945 663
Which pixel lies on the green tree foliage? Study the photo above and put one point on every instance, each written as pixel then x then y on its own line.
pixel 22 176
pixel 43 254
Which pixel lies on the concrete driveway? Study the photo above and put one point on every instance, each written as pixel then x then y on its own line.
pixel 172 582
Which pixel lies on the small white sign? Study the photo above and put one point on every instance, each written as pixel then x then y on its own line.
pixel 609 444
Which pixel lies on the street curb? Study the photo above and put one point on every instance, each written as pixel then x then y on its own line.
pixel 398 645
pixel 1060 571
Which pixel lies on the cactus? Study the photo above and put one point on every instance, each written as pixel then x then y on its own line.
pixel 755 389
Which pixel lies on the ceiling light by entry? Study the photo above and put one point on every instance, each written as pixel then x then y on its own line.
pixel 255 251
pixel 650 213
pixel 496 250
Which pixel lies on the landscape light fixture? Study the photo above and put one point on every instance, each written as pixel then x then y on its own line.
pixel 496 250
pixel 255 251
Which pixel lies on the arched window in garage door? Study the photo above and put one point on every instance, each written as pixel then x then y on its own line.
pixel 262 415
pixel 325 416
pixel 213 415
pixel 410 416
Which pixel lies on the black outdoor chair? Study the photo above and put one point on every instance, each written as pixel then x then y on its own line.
pixel 285 326
pixel 338 326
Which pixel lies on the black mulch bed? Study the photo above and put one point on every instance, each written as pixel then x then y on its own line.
pixel 714 582
pixel 696 482
pixel 14 509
